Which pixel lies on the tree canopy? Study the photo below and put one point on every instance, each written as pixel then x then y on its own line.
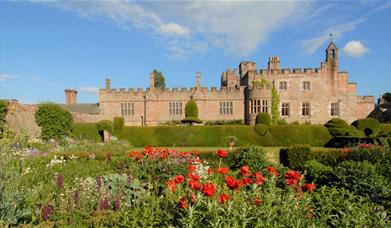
pixel 159 79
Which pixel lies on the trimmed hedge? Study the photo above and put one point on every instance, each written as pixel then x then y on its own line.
pixel 263 118
pixel 263 135
pixel 119 123
pixel 296 156
pixel 368 126
pixel 105 125
pixel 86 131
pixel 384 130
pixel 339 127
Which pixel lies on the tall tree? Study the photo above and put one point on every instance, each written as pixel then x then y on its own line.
pixel 275 104
pixel 387 97
pixel 159 79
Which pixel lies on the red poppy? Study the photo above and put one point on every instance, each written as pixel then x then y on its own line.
pixel 259 178
pixel 246 181
pixel 272 171
pixel 210 171
pixel 245 171
pixel 182 202
pixel 223 170
pixel 191 168
pixel 346 150
pixel 222 153
pixel 208 189
pixel 257 201
pixel 292 177
pixel 179 179
pixel 309 187
pixel 193 176
pixel 133 154
pixel 231 182
pixel 223 198
pixel 194 184
pixel 171 185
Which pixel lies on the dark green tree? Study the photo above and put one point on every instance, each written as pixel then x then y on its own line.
pixel 3 113
pixel 159 79
pixel 191 113
pixel 55 122
pixel 387 97
pixel 275 104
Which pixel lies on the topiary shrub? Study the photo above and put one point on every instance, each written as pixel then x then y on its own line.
pixel 191 113
pixel 54 121
pixel 87 131
pixel 368 126
pixel 105 125
pixel 339 127
pixel 263 118
pixel 119 123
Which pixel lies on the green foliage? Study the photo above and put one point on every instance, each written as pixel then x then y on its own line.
pixel 339 127
pixel 3 114
pixel 54 121
pixel 87 131
pixel 295 156
pixel 214 135
pixel 387 97
pixel 262 83
pixel 252 156
pixel 275 104
pixel 159 79
pixel 119 123
pixel 224 122
pixel 105 125
pixel 263 118
pixel 191 113
pixel 368 126
pixel 384 130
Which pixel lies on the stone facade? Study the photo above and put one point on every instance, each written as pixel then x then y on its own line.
pixel 306 95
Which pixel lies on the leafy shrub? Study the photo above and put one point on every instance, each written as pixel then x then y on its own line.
pixel 339 127
pixel 191 113
pixel 314 135
pixel 318 172
pixel 368 126
pixel 87 131
pixel 105 125
pixel 295 156
pixel 252 156
pixel 263 118
pixel 224 122
pixel 119 123
pixel 54 121
pixel 384 130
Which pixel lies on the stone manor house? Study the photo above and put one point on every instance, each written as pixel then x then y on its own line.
pixel 306 95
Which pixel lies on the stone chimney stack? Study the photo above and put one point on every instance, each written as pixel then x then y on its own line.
pixel 70 96
pixel 152 80
pixel 274 63
pixel 107 82
pixel 198 79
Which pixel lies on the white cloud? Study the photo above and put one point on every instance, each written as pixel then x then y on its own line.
pixel 89 90
pixel 174 29
pixel 355 48
pixel 313 44
pixel 8 77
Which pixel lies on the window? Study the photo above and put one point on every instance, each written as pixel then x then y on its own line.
pixel 305 109
pixel 226 108
pixel 175 108
pixel 265 105
pixel 255 106
pixel 285 109
pixel 334 109
pixel 283 86
pixel 306 86
pixel 127 109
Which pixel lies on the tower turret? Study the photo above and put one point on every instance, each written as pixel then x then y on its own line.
pixel 274 63
pixel 332 57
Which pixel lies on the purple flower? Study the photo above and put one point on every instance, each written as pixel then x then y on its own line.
pixel 59 181
pixel 98 182
pixel 46 211
pixel 117 204
pixel 104 204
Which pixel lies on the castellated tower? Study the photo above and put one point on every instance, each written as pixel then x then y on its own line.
pixel 247 72
pixel 332 60
pixel 70 96
pixel 274 63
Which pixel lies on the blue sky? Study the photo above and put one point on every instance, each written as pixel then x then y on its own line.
pixel 46 47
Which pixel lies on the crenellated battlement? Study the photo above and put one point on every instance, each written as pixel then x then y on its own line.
pixel 365 99
pixel 289 71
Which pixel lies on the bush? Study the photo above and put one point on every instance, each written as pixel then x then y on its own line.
pixel 54 121
pixel 339 127
pixel 252 156
pixel 3 113
pixel 263 118
pixel 295 156
pixel 105 125
pixel 87 131
pixel 384 130
pixel 191 113
pixel 119 123
pixel 224 122
pixel 368 126
pixel 285 135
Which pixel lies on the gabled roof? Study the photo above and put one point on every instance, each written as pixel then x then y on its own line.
pixel 332 46
pixel 82 108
